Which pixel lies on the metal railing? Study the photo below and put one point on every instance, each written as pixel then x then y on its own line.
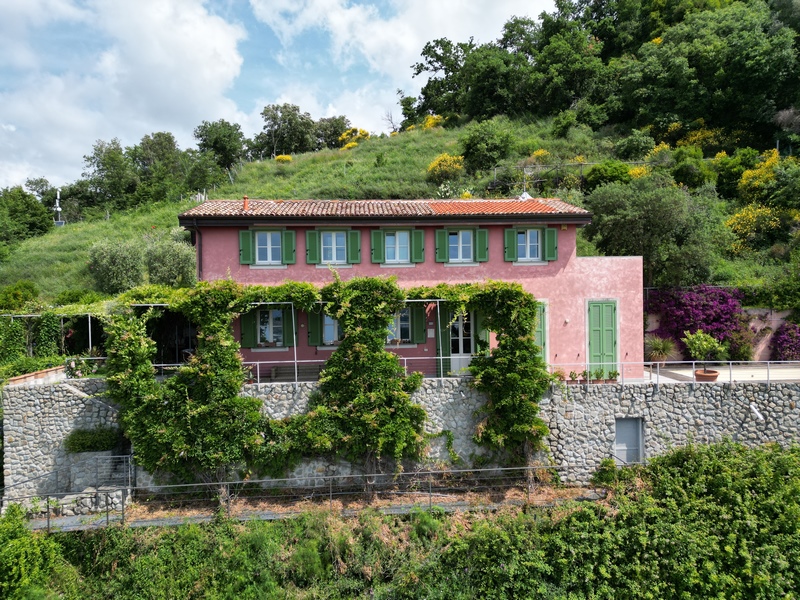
pixel 270 499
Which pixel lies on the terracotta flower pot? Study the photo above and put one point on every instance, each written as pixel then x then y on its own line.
pixel 705 375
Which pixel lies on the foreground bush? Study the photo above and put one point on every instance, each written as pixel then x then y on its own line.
pixel 717 521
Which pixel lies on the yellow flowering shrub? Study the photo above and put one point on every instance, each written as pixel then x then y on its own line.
pixel 639 171
pixel 349 145
pixel 657 153
pixel 466 195
pixel 755 226
pixel 354 134
pixel 540 156
pixel 394 133
pixel 432 121
pixel 411 128
pixel 283 158
pixel 445 167
pixel 657 41
pixel 754 182
pixel 580 159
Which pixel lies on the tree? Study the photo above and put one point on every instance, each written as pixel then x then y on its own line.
pixel 664 224
pixel 734 67
pixel 329 130
pixel 287 130
pixel 225 140
pixel 22 216
pixel 442 61
pixel 111 175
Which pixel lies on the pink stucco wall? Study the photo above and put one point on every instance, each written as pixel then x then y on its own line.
pixel 566 285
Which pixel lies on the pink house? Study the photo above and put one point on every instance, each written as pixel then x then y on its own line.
pixel 591 312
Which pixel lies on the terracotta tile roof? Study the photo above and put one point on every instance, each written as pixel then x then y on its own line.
pixel 384 208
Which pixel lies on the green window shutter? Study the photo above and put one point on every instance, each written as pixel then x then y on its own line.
pixel 313 248
pixel 315 328
pixel 550 243
pixel 354 247
pixel 419 326
pixel 249 325
pixel 538 334
pixel 288 247
pixel 377 246
pixel 443 365
pixel 417 246
pixel 510 244
pixel 442 248
pixel 246 248
pixel 481 245
pixel 288 327
pixel 602 335
pixel 481 335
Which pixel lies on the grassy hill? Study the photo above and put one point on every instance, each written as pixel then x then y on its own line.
pixel 58 260
pixel 396 166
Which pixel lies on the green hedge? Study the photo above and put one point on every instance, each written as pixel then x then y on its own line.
pixel 98 439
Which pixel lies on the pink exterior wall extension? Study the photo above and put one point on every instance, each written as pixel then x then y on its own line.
pixel 566 285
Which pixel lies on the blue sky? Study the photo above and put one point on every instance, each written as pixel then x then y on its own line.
pixel 76 71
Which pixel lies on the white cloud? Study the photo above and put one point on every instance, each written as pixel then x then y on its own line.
pixel 149 65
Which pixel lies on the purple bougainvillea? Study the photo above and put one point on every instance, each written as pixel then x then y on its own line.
pixel 714 310
pixel 786 342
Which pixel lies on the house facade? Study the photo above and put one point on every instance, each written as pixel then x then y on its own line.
pixel 591 313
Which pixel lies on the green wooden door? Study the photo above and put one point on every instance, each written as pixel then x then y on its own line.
pixel 602 336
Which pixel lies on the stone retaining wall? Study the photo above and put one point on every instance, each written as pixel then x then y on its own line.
pixel 582 421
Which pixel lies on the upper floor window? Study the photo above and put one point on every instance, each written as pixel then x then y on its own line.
pixel 397 247
pixel 462 245
pixel 267 247
pixel 536 244
pixel 529 245
pixel 333 247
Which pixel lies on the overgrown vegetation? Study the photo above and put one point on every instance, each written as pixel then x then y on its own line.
pixel 699 522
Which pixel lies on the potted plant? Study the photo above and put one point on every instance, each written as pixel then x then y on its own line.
pixel 703 348
pixel 657 349
pixel 612 376
pixel 573 377
pixel 585 375
pixel 598 375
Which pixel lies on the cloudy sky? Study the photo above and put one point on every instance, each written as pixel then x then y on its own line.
pixel 76 71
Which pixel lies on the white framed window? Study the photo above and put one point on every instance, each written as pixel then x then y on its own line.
pixel 397 246
pixel 529 245
pixel 460 244
pixel 268 247
pixel 270 327
pixel 400 328
pixel 334 247
pixel 332 332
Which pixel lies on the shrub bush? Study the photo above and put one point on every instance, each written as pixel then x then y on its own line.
pixel 283 158
pixel 563 122
pixel 608 171
pixel 635 146
pixel 116 266
pixel 785 344
pixel 170 263
pixel 484 145
pixel 98 439
pixel 12 340
pixel 16 296
pixel 46 335
pixel 445 167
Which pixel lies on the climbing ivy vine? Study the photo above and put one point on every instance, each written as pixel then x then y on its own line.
pixel 197 426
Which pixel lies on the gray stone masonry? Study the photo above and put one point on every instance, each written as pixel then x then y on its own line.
pixel 582 423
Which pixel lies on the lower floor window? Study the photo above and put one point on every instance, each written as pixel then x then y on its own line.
pixel 400 328
pixel 270 327
pixel 331 331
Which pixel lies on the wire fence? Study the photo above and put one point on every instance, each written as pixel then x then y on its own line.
pixel 271 499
